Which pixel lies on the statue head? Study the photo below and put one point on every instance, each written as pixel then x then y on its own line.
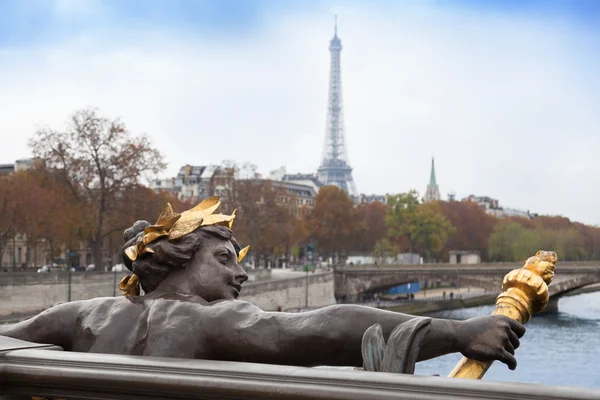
pixel 542 264
pixel 197 246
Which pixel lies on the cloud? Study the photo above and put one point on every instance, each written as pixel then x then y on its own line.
pixel 507 104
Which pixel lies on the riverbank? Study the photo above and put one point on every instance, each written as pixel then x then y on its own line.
pixel 424 307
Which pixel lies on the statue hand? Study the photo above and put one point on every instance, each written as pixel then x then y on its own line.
pixel 490 338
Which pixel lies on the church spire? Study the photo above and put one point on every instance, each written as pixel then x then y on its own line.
pixel 432 176
pixel 433 191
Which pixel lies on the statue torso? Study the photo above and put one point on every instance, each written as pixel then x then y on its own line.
pixel 164 327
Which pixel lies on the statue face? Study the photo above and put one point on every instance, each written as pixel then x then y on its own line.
pixel 214 272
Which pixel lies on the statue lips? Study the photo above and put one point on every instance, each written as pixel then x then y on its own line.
pixel 238 289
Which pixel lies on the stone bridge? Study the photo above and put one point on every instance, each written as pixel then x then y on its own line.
pixel 351 282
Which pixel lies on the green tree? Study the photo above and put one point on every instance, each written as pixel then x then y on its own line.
pixel 571 245
pixel 500 243
pixel 401 217
pixel 384 250
pixel 510 241
pixel 431 230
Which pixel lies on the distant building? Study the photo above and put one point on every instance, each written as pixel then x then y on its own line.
pixel 21 253
pixel 433 191
pixel 511 212
pixel 370 198
pixel 6 169
pixel 464 257
pixel 195 183
pixel 311 180
pixel 492 207
pixel 296 197
pixel 24 164
pixel 485 202
pixel 19 165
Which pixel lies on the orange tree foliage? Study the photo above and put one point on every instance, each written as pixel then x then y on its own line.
pixel 262 222
pixel 32 205
pixel 370 226
pixel 332 222
pixel 99 161
pixel 473 226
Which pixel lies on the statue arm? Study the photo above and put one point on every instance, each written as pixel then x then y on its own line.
pixel 328 336
pixel 53 326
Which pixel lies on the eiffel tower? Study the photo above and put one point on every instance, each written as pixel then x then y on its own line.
pixel 335 169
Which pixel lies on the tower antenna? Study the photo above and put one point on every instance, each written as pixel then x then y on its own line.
pixel 335 25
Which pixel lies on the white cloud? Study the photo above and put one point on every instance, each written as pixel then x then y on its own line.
pixel 507 106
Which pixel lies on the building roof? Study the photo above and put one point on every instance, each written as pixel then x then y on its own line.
pixel 303 177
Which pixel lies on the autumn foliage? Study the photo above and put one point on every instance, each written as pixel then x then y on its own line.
pixel 86 187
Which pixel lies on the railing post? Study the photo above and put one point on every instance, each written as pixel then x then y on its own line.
pixel 69 290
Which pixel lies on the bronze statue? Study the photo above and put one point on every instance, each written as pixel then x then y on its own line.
pixel 188 266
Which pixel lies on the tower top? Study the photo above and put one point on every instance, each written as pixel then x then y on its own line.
pixel 335 28
pixel 336 43
pixel 432 176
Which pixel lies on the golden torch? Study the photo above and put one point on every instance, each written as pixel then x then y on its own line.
pixel 525 292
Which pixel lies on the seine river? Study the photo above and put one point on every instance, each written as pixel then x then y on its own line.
pixel 560 349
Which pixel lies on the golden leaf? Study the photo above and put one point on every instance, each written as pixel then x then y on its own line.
pixel 206 203
pixel 153 233
pixel 243 253
pixel 131 252
pixel 130 285
pixel 218 219
pixel 231 222
pixel 194 218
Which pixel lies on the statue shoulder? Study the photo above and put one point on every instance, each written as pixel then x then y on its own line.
pixel 232 309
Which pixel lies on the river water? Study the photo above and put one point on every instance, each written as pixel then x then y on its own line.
pixel 561 349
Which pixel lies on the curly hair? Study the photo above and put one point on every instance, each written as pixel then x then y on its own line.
pixel 152 268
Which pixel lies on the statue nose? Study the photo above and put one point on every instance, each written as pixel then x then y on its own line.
pixel 241 276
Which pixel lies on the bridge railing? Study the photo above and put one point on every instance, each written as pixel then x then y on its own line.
pixel 494 265
pixel 391 303
pixel 67 375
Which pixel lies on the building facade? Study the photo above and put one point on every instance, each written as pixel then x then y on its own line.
pixel 492 207
pixel 464 257
pixel 195 183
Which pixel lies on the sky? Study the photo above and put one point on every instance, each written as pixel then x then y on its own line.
pixel 504 94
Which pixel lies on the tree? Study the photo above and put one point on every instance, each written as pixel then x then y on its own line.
pixel 9 214
pixel 510 241
pixel 401 216
pixel 473 226
pixel 332 221
pixel 384 250
pixel 99 161
pixel 370 226
pixel 431 229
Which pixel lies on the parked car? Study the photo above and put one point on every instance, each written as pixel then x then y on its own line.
pixel 48 268
pixel 90 267
pixel 118 268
